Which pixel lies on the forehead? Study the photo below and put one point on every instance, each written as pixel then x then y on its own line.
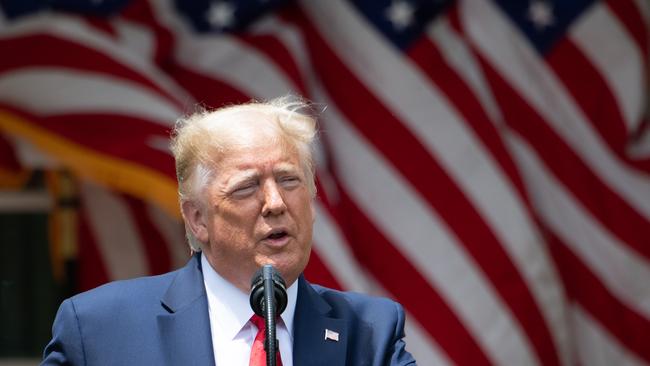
pixel 276 155
pixel 246 127
pixel 252 162
pixel 256 143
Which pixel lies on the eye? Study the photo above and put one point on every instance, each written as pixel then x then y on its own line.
pixel 290 181
pixel 244 190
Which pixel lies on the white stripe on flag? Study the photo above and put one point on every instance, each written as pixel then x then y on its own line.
pixel 101 94
pixel 603 39
pixel 640 149
pixel 644 8
pixel 173 233
pixel 335 253
pixel 447 138
pixel 418 342
pixel 428 244
pixel 457 54
pixel 73 29
pixel 136 38
pixel 290 37
pixel 226 59
pixel 625 273
pixel 112 226
pixel 519 64
pixel 523 240
pixel 595 346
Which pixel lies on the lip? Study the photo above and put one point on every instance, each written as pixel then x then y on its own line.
pixel 276 242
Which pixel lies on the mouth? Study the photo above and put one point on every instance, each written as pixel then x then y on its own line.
pixel 277 237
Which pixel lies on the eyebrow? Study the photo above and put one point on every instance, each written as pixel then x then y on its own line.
pixel 241 177
pixel 285 168
pixel 251 174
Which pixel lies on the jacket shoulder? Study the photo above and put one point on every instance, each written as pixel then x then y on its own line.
pixel 122 295
pixel 117 315
pixel 375 324
pixel 358 306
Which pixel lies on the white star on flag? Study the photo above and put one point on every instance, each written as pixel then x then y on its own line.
pixel 541 14
pixel 400 13
pixel 221 15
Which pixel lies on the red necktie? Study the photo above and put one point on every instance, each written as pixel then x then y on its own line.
pixel 258 354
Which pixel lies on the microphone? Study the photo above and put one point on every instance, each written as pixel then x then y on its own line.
pixel 268 299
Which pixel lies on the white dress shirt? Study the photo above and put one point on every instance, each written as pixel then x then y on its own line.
pixel 232 332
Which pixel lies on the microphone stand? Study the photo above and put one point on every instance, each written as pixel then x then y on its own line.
pixel 268 299
pixel 270 341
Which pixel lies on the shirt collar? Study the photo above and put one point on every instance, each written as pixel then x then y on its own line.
pixel 232 307
pixel 287 314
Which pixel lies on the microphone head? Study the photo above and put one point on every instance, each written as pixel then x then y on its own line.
pixel 257 290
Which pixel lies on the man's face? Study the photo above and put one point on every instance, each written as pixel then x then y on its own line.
pixel 257 210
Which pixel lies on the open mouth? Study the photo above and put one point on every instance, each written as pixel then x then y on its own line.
pixel 277 235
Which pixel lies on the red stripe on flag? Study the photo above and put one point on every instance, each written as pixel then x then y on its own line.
pixel 430 60
pixel 592 94
pixel 329 203
pixel 408 156
pixel 606 206
pixel 427 56
pixel 207 90
pixel 75 57
pixel 629 327
pixel 453 14
pixel 410 287
pixel 100 132
pixel 157 252
pixel 630 17
pixel 92 269
pixel 8 160
pixel 140 12
pixel 281 57
pixel 101 25
pixel 317 272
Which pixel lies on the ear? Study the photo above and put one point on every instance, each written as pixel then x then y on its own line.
pixel 196 220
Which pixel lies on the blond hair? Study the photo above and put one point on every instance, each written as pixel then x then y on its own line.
pixel 199 140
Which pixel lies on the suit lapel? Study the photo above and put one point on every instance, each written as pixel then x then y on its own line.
pixel 311 320
pixel 185 326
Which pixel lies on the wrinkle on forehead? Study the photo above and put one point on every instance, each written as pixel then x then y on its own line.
pixel 260 155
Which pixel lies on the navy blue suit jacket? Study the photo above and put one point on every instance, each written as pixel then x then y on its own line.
pixel 163 320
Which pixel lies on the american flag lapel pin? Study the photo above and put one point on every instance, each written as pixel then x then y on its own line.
pixel 331 335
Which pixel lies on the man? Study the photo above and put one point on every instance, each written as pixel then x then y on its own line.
pixel 246 186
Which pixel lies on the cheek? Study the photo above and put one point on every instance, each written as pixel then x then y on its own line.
pixel 306 216
pixel 237 220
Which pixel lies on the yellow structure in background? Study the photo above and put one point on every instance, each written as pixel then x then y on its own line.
pixel 122 175
pixel 63 221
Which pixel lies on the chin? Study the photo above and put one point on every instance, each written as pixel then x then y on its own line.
pixel 287 264
pixel 288 271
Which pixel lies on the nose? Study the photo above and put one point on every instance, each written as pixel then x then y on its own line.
pixel 273 200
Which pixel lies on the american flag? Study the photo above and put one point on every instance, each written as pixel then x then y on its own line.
pixel 484 162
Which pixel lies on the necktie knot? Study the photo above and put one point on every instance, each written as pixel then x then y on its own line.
pixel 258 321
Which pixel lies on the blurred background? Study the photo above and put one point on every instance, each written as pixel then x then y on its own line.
pixel 484 162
